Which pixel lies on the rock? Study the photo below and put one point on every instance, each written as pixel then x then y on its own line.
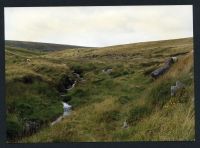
pixel 169 62
pixel 28 60
pixel 177 87
pixel 158 72
pixel 108 71
pixel 63 95
pixel 125 125
pixel 175 59
pixel 31 127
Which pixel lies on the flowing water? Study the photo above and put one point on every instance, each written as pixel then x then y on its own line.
pixel 67 111
pixel 66 107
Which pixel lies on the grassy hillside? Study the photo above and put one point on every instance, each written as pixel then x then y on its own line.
pixel 101 100
pixel 39 46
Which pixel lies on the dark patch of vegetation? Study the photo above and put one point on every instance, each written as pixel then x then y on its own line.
pixel 147 64
pixel 78 97
pixel 37 103
pixel 14 126
pixel 160 93
pixel 182 96
pixel 120 72
pixel 124 99
pixel 177 54
pixel 82 68
pixel 138 112
pixel 148 70
pixel 39 46
pixel 28 79
pixel 64 83
pixel 110 116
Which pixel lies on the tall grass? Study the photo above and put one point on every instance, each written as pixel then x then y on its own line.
pixel 102 102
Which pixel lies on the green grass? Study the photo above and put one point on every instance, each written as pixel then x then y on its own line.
pixel 101 102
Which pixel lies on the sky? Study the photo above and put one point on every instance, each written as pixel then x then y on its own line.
pixel 98 26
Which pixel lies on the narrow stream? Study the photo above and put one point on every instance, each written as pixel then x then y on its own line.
pixel 67 111
pixel 66 107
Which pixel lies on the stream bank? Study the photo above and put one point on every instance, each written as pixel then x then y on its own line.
pixel 66 106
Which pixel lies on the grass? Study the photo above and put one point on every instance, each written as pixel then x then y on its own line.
pixel 101 102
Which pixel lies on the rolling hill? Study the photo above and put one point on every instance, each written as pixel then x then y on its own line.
pixel 39 46
pixel 114 86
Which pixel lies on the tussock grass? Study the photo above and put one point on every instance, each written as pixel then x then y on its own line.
pixel 103 101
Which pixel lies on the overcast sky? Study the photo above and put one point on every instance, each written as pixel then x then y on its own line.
pixel 98 26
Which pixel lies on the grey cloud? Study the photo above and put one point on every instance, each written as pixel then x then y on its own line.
pixel 98 26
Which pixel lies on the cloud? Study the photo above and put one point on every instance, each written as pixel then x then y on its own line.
pixel 98 26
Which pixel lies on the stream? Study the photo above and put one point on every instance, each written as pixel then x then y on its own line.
pixel 67 111
pixel 66 107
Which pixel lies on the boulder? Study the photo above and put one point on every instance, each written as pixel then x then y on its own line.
pixel 108 71
pixel 177 87
pixel 156 73
pixel 125 124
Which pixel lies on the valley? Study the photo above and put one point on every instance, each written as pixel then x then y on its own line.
pixel 105 87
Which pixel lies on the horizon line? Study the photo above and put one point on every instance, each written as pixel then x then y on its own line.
pixel 98 46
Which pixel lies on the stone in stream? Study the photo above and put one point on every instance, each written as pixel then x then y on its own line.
pixel 73 85
pixel 77 75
